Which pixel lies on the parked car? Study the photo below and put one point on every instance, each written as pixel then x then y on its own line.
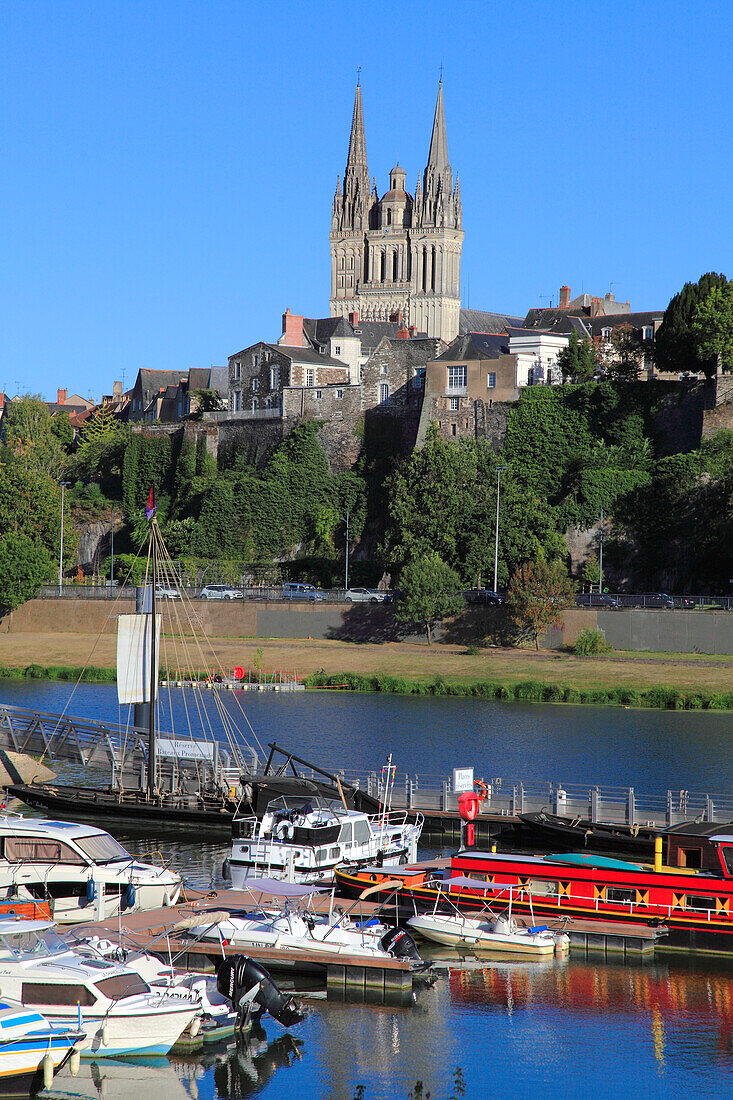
pixel 597 599
pixel 166 592
pixel 221 592
pixel 365 595
pixel 483 595
pixel 292 591
pixel 686 602
pixel 650 599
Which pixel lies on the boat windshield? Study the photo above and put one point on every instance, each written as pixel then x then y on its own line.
pixel 304 805
pixel 32 945
pixel 102 848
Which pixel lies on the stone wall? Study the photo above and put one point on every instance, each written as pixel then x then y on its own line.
pixel 338 408
pixel 258 435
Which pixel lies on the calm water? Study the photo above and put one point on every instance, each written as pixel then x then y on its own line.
pixel 560 1029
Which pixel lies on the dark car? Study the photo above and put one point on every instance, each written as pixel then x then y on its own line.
pixel 686 602
pixel 650 599
pixel 596 599
pixel 484 596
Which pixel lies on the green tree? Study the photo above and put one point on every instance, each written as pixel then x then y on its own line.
pixel 592 570
pixel 578 361
pixel 677 343
pixel 431 592
pixel 538 594
pixel 712 327
pixel 30 435
pixel 624 355
pixel 25 564
pixel 203 401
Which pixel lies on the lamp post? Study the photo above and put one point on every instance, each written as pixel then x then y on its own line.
pixel 499 470
pixel 61 549
pixel 112 550
pixel 346 579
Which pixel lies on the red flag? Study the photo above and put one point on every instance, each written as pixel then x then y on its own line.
pixel 151 505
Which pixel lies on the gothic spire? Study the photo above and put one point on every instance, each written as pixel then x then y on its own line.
pixel 356 176
pixel 438 155
pixel 438 177
pixel 357 145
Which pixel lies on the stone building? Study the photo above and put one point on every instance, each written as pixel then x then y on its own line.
pixel 398 258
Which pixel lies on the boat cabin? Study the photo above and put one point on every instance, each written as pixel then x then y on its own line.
pixel 701 846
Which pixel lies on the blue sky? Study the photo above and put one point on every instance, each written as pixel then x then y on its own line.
pixel 168 168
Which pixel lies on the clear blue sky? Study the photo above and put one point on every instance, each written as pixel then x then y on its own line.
pixel 168 168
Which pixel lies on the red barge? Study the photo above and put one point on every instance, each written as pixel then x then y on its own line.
pixel 695 903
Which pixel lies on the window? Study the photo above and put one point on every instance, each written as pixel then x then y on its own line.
pixel 454 429
pixel 122 985
pixel 255 360
pixel 236 371
pixel 255 405
pixel 696 901
pixel 346 833
pixel 420 378
pixel 236 401
pixel 103 848
pixel 544 886
pixel 690 857
pixel 383 369
pixel 647 332
pixel 620 894
pixel 337 350
pixel 362 831
pixel 383 394
pixel 255 385
pixel 274 378
pixel 492 380
pixel 453 404
pixel 319 395
pixel 52 993
pixel 339 394
pixel 457 378
pixel 310 376
pixel 606 333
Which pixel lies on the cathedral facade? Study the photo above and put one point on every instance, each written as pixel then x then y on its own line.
pixel 398 257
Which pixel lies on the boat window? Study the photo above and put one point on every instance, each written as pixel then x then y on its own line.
pixel 345 834
pixel 20 849
pixel 690 857
pixel 697 901
pixel 102 848
pixel 362 832
pixel 123 985
pixel 544 887
pixel 622 894
pixel 57 993
pixel 335 853
pixel 727 854
pixel 36 944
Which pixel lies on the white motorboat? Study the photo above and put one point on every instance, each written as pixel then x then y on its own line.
pixel 304 838
pixel 31 1049
pixel 295 927
pixel 84 873
pixel 117 1009
pixel 485 930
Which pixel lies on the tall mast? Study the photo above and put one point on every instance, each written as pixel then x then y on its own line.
pixel 153 676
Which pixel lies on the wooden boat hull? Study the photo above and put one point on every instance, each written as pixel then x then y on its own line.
pixel 548 830
pixel 88 803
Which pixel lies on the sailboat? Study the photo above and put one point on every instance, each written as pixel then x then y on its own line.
pixel 163 779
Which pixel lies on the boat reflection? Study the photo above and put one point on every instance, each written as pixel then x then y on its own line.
pixel 669 997
pixel 119 1079
pixel 241 1069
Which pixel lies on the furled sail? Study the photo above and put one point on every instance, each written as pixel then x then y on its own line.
pixel 133 657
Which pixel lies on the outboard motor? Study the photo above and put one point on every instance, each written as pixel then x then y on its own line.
pixel 245 983
pixel 400 944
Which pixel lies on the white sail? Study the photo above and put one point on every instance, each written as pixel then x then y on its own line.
pixel 133 657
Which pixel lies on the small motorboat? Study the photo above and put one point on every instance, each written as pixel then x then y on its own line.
pixel 485 930
pixel 294 928
pixel 32 1049
pixel 119 1012
pixel 546 829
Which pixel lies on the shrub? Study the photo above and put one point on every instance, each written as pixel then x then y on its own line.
pixel 591 643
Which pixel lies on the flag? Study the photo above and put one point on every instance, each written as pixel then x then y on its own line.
pixel 151 505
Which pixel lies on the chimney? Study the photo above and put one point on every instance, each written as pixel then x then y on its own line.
pixel 292 336
pixel 60 397
pixel 116 391
pixel 403 334
pixel 610 297
pixel 564 297
pixel 354 319
pixel 413 331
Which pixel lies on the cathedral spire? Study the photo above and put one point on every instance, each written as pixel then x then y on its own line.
pixel 438 155
pixel 356 177
pixel 357 145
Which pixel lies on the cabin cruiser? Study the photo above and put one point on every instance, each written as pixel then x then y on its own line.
pixel 32 1049
pixel 303 839
pixel 117 1009
pixel 294 927
pixel 81 870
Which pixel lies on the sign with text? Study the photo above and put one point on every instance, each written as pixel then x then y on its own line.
pixel 462 780
pixel 187 750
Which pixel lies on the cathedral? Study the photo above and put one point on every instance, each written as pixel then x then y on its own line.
pixel 398 257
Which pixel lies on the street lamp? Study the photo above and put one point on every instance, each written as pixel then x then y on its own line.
pixel 346 579
pixel 499 470
pixel 61 550
pixel 112 550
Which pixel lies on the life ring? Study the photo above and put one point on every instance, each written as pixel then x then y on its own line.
pixel 285 830
pixel 483 790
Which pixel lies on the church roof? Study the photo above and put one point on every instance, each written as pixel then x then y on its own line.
pixel 476 345
pixel 478 320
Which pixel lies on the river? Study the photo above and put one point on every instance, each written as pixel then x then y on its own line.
pixel 571 1028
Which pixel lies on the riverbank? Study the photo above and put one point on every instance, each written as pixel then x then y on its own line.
pixel 691 681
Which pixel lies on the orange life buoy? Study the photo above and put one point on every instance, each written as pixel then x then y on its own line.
pixel 483 790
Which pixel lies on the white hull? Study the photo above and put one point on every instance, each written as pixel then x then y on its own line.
pixel 21 1058
pixel 150 1032
pixel 479 936
pixel 69 911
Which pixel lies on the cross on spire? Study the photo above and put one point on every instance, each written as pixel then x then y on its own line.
pixel 358 75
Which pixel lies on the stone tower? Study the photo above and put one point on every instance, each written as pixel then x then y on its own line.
pixel 398 258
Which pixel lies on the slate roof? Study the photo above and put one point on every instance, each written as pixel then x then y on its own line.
pixel 476 345
pixel 152 381
pixel 478 320
pixel 306 355
pixel 413 353
pixel 636 320
pixel 320 330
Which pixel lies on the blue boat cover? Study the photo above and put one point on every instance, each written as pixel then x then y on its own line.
pixel 586 859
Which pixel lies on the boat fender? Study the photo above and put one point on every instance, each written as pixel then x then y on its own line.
pixel 91 890
pixel 226 871
pixel 75 1061
pixel 400 944
pixel 130 895
pixel 47 1069
pixel 105 1034
pixel 195 1027
pixel 538 928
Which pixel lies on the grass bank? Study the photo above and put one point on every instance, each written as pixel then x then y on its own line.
pixel 92 674
pixel 528 691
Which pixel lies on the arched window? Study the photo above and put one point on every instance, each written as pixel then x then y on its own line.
pixel 394 266
pixel 383 265
pixel 435 262
pixel 425 269
pixel 389 216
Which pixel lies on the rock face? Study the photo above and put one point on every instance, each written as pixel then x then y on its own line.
pixel 93 542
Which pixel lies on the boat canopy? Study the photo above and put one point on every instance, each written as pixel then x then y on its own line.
pixel 281 889
pixel 20 927
pixel 584 859
pixel 462 882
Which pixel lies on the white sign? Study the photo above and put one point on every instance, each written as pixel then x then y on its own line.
pixel 186 750
pixel 462 780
